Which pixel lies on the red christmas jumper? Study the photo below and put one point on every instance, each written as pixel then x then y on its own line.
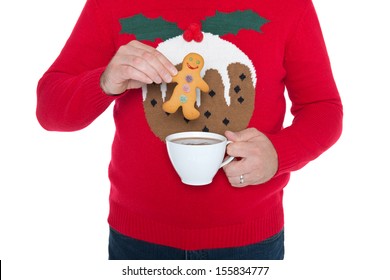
pixel 147 199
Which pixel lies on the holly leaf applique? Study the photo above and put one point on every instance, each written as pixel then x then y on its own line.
pixel 224 23
pixel 149 29
pixel 220 24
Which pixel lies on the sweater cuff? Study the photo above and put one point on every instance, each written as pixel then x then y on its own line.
pixel 286 150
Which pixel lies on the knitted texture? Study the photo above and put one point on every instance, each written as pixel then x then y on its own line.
pixel 253 51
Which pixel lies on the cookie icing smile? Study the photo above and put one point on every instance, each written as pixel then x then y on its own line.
pixel 191 67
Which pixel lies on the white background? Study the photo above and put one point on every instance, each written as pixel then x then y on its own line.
pixel 54 186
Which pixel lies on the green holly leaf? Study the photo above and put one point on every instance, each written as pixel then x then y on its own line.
pixel 224 23
pixel 149 29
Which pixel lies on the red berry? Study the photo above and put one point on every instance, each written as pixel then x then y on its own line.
pixel 187 35
pixel 198 37
pixel 193 32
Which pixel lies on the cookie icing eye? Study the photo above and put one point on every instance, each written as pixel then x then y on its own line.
pixel 198 62
pixel 189 78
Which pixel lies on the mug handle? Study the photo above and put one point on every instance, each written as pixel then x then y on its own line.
pixel 229 159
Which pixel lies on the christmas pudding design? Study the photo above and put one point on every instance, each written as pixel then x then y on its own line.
pixel 228 103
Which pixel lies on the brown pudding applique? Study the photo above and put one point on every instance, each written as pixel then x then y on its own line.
pixel 215 114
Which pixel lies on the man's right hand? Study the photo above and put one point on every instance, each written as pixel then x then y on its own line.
pixel 134 65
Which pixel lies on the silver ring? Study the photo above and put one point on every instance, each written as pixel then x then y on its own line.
pixel 241 179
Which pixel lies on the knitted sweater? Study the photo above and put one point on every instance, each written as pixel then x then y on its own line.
pixel 253 51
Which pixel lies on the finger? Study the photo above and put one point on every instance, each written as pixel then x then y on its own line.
pixel 135 84
pixel 131 56
pixel 123 68
pixel 239 181
pixel 136 76
pixel 169 66
pixel 237 167
pixel 165 61
pixel 138 67
pixel 117 78
pixel 239 149
pixel 243 135
pixel 158 63
pixel 233 170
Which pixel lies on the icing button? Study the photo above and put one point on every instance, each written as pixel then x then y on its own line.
pixel 183 99
pixel 186 88
pixel 189 78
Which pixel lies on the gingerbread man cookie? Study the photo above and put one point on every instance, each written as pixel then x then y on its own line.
pixel 184 94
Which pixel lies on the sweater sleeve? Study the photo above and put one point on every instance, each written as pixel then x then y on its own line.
pixel 316 105
pixel 69 96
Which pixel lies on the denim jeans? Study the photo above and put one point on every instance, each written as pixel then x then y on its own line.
pixel 122 247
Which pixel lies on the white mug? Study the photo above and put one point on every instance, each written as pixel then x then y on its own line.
pixel 197 156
